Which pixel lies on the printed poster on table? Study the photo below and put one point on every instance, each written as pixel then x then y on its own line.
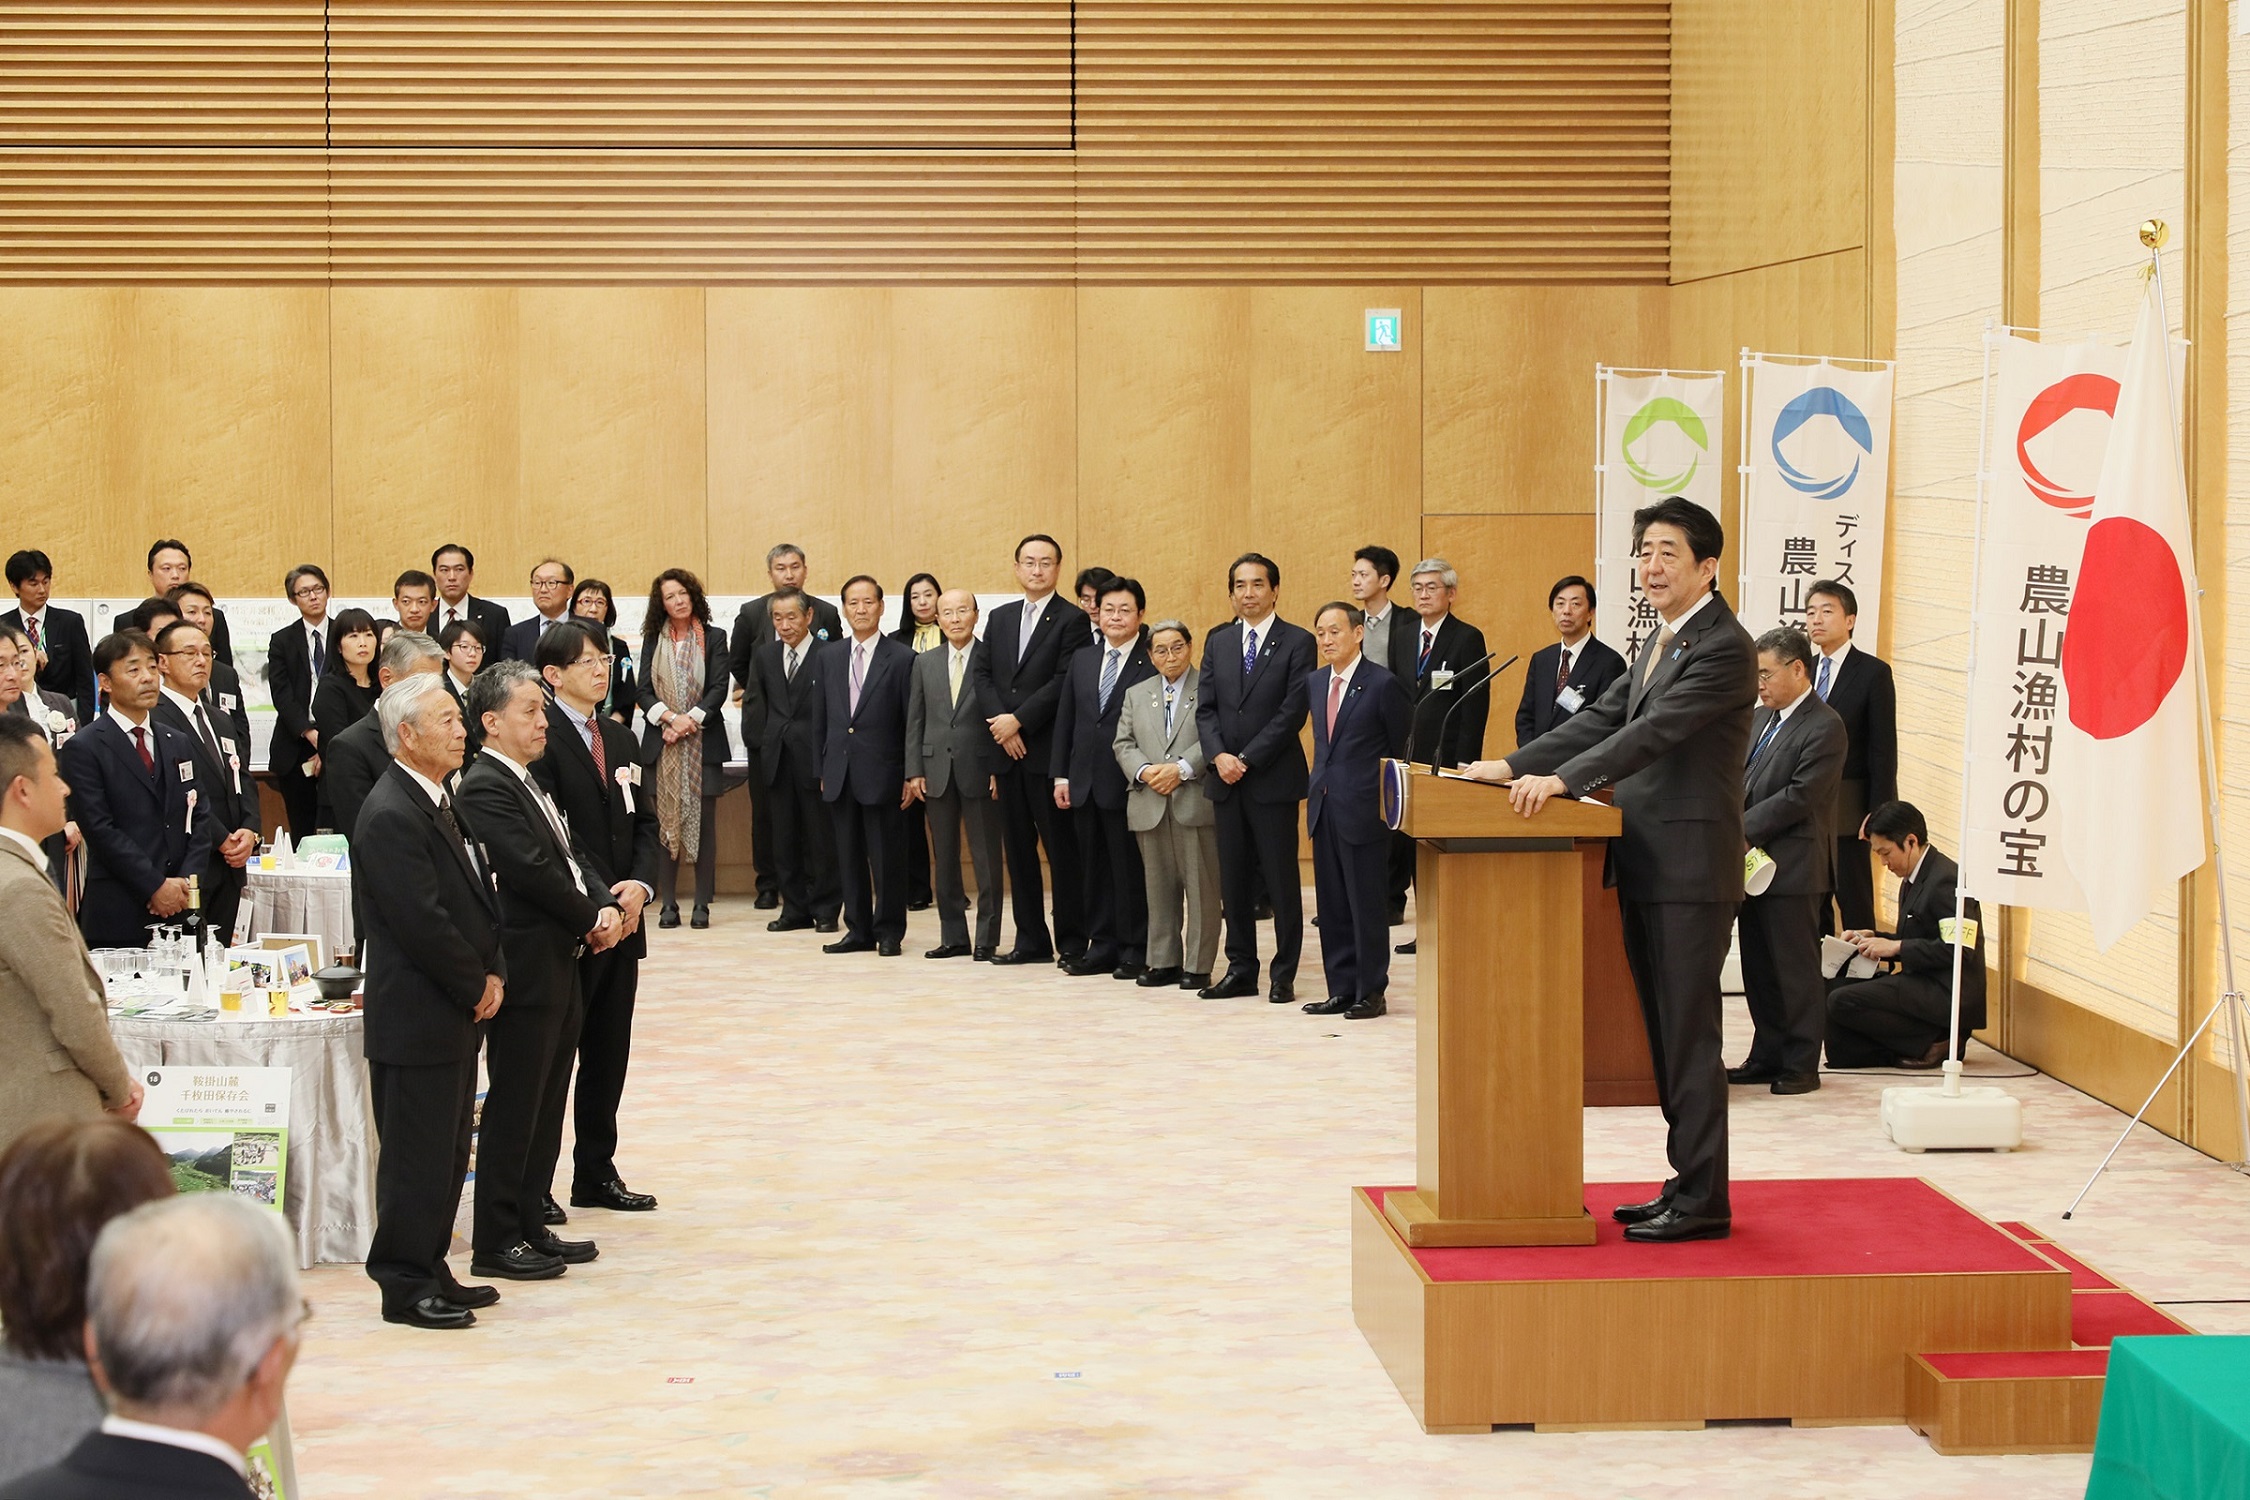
pixel 1816 476
pixel 224 1129
pixel 1661 434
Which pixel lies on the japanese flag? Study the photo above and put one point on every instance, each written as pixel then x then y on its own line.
pixel 2130 765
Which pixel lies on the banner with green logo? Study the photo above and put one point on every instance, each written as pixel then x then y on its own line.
pixel 1660 435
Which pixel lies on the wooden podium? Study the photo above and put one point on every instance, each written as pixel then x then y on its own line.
pixel 1499 1042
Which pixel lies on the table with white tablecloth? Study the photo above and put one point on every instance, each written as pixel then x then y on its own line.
pixel 303 900
pixel 329 1193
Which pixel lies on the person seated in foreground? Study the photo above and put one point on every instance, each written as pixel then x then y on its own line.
pixel 1898 1018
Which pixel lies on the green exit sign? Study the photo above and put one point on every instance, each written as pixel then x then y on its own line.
pixel 1386 330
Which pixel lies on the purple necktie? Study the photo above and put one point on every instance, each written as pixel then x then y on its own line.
pixel 859 672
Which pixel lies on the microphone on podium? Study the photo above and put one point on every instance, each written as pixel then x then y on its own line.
pixel 1481 684
pixel 1414 720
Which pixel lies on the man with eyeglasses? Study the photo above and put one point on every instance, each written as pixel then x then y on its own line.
pixel 183 660
pixel 296 655
pixel 56 719
pixel 551 583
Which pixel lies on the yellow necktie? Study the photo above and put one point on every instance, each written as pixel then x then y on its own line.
pixel 953 675
pixel 1663 644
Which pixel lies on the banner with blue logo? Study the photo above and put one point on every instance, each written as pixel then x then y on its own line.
pixel 1662 433
pixel 1816 480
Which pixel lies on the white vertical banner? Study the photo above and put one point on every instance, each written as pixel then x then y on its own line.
pixel 2048 408
pixel 1816 480
pixel 1659 434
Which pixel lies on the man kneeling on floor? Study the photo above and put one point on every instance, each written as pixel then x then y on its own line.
pixel 1898 1018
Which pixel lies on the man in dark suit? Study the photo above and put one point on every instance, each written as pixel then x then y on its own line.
pixel 753 627
pixel 171 567
pixel 1899 1018
pixel 589 771
pixel 183 657
pixel 1859 687
pixel 553 910
pixel 455 569
pixel 1250 703
pixel 1573 672
pixel 1374 570
pixel 296 655
pixel 65 657
pixel 1672 735
pixel 429 941
pixel 1360 718
pixel 1090 789
pixel 1445 659
pixel 56 719
pixel 949 767
pixel 222 696
pixel 860 720
pixel 138 803
pixel 1789 802
pixel 551 581
pixel 1028 647
pixel 780 716
pixel 355 760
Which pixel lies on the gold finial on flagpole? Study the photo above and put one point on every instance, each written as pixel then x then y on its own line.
pixel 2154 233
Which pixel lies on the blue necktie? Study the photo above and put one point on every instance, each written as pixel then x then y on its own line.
pixel 1764 740
pixel 1821 685
pixel 1109 677
pixel 1249 652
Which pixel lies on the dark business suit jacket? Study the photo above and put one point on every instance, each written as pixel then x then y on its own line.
pixel 1343 793
pixel 224 694
pixel 1085 732
pixel 785 724
pixel 491 619
pixel 1925 958
pixel 70 657
pixel 474 730
pixel 289 684
pixel 429 925
pixel 522 638
pixel 1029 684
pixel 615 843
pixel 1675 752
pixel 1865 696
pixel 546 909
pixel 104 1467
pixel 136 824
pixel 1459 648
pixel 753 627
pixel 1597 666
pixel 1255 717
pixel 350 765
pixel 713 701
pixel 863 754
pixel 947 741
pixel 1789 797
pixel 225 787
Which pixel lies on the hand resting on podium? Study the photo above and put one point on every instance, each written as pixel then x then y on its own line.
pixel 1527 794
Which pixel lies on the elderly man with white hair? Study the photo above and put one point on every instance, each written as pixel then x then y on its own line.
pixel 192 1322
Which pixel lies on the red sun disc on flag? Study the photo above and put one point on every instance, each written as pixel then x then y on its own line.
pixel 2128 635
pixel 2082 392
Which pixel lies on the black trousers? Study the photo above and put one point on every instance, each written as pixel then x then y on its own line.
pixel 1029 820
pixel 1399 858
pixel 1258 840
pixel 300 800
pixel 1116 887
pixel 1781 980
pixel 1351 892
pixel 763 865
pixel 1676 950
pixel 1873 1023
pixel 918 892
pixel 423 1119
pixel 871 851
pixel 1855 888
pixel 804 849
pixel 611 982
pixel 706 856
pixel 527 1053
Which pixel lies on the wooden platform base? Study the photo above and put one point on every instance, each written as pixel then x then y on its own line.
pixel 1417 1222
pixel 1588 1346
pixel 2037 1403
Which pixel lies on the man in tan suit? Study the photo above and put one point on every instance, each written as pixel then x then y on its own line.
pixel 56 1056
pixel 949 766
pixel 1161 755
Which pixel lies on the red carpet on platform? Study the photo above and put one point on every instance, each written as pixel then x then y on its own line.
pixel 1874 1226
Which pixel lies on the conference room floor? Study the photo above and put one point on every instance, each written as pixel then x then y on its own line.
pixel 943 1229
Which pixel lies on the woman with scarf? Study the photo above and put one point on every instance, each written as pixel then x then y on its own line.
pixel 683 688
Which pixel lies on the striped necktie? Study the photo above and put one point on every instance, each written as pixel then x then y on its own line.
pixel 1109 677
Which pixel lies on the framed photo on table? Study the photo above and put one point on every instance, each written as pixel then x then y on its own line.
pixel 316 945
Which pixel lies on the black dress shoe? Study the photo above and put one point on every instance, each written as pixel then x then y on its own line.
pixel 1672 1226
pixel 431 1312
pixel 1396 916
pixel 1022 956
pixel 948 950
pixel 1797 1083
pixel 551 1212
pixel 849 945
pixel 1232 986
pixel 614 1196
pixel 1281 994
pixel 1369 1008
pixel 519 1262
pixel 1405 947
pixel 569 1252
pixel 669 917
pixel 1150 978
pixel 920 903
pixel 1087 963
pixel 790 924
pixel 887 948
pixel 982 955
pixel 829 924
pixel 767 901
pixel 702 917
pixel 471 1296
pixel 1334 1005
pixel 1641 1213
pixel 1747 1074
pixel 1200 981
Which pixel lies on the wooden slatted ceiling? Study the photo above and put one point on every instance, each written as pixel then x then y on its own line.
pixel 738 141
pixel 162 72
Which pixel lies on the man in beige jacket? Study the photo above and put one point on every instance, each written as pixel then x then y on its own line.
pixel 1157 749
pixel 56 1056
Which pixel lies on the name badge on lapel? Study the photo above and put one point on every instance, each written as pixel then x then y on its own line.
pixel 1570 700
pixel 187 773
pixel 1441 678
pixel 229 702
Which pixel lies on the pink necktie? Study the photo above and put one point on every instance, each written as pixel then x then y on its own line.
pixel 859 672
pixel 1335 701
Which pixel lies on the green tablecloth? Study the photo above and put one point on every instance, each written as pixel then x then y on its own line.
pixel 2175 1420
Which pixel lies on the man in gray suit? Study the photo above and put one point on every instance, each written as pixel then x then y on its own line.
pixel 949 767
pixel 1789 794
pixel 1672 735
pixel 1162 756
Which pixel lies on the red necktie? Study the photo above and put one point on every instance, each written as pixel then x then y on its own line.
pixel 31 628
pixel 594 743
pixel 1335 701
pixel 1562 673
pixel 140 743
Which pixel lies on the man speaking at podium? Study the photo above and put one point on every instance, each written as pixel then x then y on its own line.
pixel 1671 735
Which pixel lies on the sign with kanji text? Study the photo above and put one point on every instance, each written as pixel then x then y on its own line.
pixel 1816 476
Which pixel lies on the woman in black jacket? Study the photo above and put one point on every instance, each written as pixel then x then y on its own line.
pixel 348 685
pixel 596 608
pixel 682 692
pixel 918 628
